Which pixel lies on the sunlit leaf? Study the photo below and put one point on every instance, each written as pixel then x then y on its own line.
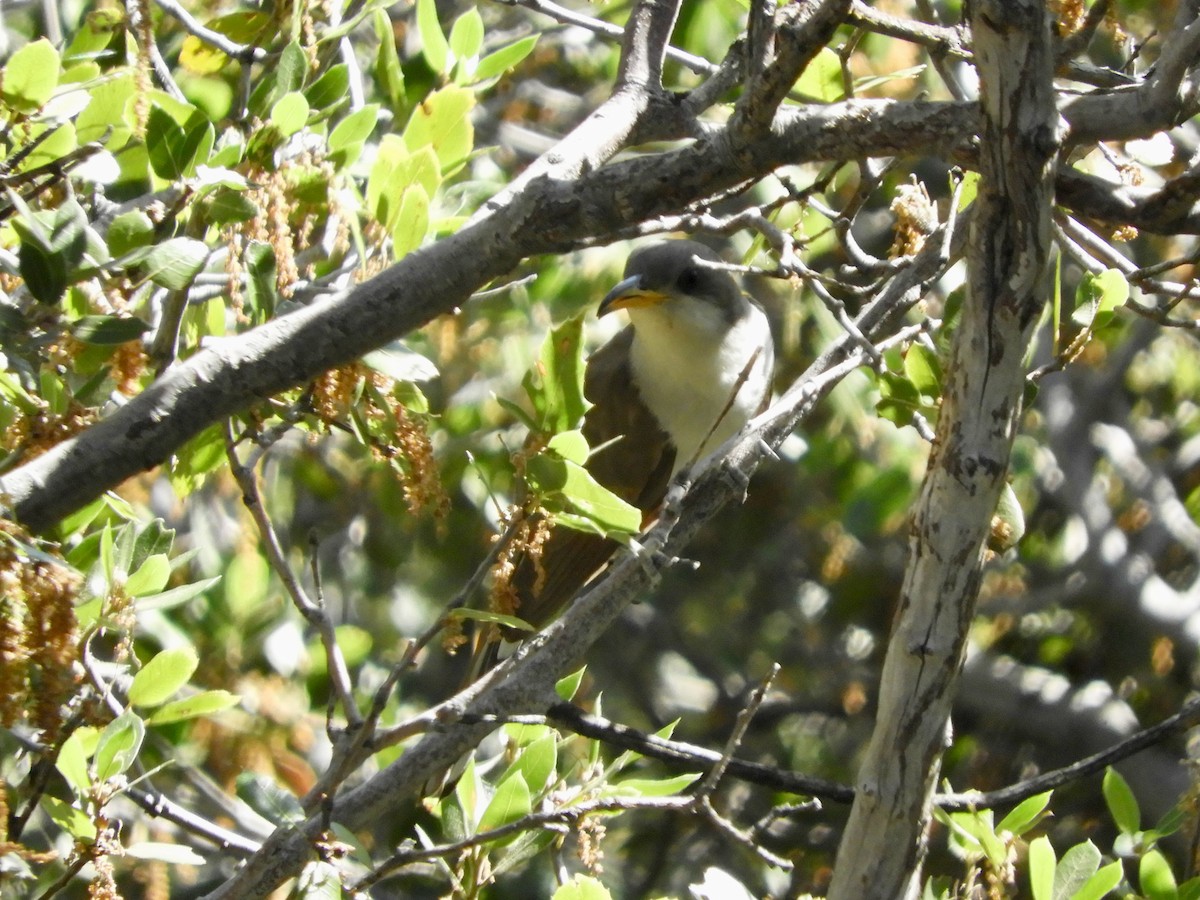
pixel 163 676
pixel 1041 869
pixel 434 47
pixel 172 854
pixel 30 76
pixel 500 61
pixel 1075 868
pixel 1121 802
pixel 119 745
pixel 511 802
pixel 582 887
pixel 205 703
pixel 822 78
pixel 175 263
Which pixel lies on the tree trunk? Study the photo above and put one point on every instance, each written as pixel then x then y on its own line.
pixel 883 849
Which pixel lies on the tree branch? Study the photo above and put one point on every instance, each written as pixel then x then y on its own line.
pixel 1007 256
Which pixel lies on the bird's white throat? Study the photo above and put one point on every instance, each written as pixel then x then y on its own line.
pixel 687 364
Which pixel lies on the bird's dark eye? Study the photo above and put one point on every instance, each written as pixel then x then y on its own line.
pixel 688 279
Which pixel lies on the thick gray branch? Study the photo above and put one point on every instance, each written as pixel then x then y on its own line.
pixel 567 198
pixel 883 848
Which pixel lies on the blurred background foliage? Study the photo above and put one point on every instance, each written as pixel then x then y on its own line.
pixel 268 186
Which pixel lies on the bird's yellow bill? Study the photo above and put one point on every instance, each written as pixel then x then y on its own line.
pixel 629 294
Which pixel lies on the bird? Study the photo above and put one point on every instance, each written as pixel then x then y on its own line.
pixel 687 373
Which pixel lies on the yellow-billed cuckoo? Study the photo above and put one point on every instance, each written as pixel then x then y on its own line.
pixel 691 369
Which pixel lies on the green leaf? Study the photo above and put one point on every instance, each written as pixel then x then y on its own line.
pixel 261 284
pixel 1101 884
pixel 388 73
pixel 1025 814
pixel 175 149
pixel 109 330
pixel 1155 877
pixel 354 128
pixel 567 686
pixel 1097 296
pixel 582 887
pixel 227 206
pixel 467 793
pixel 495 618
pixel 129 231
pixel 555 386
pixel 293 67
pixel 175 596
pixel 1074 870
pixel 163 676
pixel 536 762
pixel 500 61
pixel 822 78
pixel 570 445
pixel 30 76
pixel 150 577
pixel 923 370
pixel 268 799
pixel 412 221
pixel 400 363
pixel 71 762
pixel 433 43
pixel 174 264
pixel 69 819
pixel 119 745
pixel 466 37
pixel 1041 869
pixel 52 246
pixel 205 703
pixel 290 113
pixel 574 487
pixel 172 854
pixel 54 143
pixel 1122 804
pixel 332 88
pixel 510 802
pixel 443 122
pixel 654 787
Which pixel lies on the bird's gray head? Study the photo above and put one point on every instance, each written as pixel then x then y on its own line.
pixel 673 278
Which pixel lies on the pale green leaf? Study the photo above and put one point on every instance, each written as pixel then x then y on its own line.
pixel 1155 877
pixel 582 887
pixel 173 854
pixel 1074 870
pixel 290 113
pixel 150 578
pixel 822 78
pixel 30 76
pixel 1041 869
pixel 433 43
pixel 174 264
pixel 205 703
pixel 163 676
pixel 119 745
pixel 412 221
pixel 1121 802
pixel 500 61
pixel 1101 884
pixel 443 121
pixel 510 802
pixel 1025 814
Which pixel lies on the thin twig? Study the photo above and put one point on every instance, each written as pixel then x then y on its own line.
pixel 313 612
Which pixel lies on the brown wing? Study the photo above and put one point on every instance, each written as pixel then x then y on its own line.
pixel 635 464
